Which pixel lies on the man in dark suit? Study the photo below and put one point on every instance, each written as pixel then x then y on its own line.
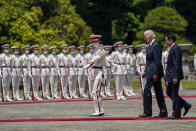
pixel 153 74
pixel 174 74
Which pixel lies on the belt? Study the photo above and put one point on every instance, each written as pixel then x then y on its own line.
pixel 45 67
pixel 108 67
pixel 24 67
pixel 73 66
pixel 120 63
pixel 5 66
pixel 63 66
pixel 35 66
pixel 53 67
pixel 97 67
pixel 16 66
pixel 142 64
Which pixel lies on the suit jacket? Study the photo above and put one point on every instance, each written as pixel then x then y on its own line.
pixel 153 61
pixel 174 64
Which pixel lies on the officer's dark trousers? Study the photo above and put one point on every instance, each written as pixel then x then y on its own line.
pixel 159 96
pixel 177 101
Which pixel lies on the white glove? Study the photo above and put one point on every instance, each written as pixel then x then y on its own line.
pixel 22 76
pixel 86 67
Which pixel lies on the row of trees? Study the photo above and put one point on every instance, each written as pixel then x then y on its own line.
pixel 127 19
pixel 51 22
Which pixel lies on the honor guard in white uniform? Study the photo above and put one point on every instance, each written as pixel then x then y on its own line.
pixel 45 73
pixel 118 62
pixel 97 63
pixel 195 61
pixel 140 65
pixel 125 90
pixel 26 71
pixel 54 72
pixel 81 74
pixel 164 59
pixel 88 57
pixel 16 72
pixel 6 68
pixel 35 63
pixel 108 70
pixel 131 66
pixel 73 78
pixel 64 71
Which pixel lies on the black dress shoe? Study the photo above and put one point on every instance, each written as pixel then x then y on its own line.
pixel 173 117
pixel 145 115
pixel 161 115
pixel 187 109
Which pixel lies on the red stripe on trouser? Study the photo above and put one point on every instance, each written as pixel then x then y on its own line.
pixel 98 95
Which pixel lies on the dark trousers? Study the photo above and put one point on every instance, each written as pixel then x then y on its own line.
pixel 177 102
pixel 159 96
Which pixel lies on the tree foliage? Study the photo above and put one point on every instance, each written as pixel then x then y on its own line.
pixel 163 20
pixel 41 22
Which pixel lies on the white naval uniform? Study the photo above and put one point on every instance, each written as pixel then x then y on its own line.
pixel 164 60
pixel 64 73
pixel 98 59
pixel 45 76
pixel 26 75
pixel 108 74
pixel 195 61
pixel 88 57
pixel 81 74
pixel 119 61
pixel 35 63
pixel 16 75
pixel 140 66
pixel 73 78
pixel 6 70
pixel 131 65
pixel 54 75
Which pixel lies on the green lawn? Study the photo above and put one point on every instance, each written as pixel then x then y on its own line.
pixel 185 84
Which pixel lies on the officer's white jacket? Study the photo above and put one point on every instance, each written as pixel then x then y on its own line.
pixel 98 60
pixel 119 62
pixel 64 64
pixel 54 65
pixel 35 63
pixel 6 64
pixel 164 60
pixel 26 68
pixel 73 60
pixel 140 62
pixel 81 63
pixel 17 65
pixel 46 65
pixel 131 63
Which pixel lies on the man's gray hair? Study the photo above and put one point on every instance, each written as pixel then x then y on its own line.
pixel 149 33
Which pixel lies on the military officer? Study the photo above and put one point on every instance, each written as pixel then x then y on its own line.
pixel 73 78
pixel 119 61
pixel 35 63
pixel 81 74
pixel 164 59
pixel 108 70
pixel 54 72
pixel 131 60
pixel 140 65
pixel 64 71
pixel 6 65
pixel 16 72
pixel 97 62
pixel 26 71
pixel 45 73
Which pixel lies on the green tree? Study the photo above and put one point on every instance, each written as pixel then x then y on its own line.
pixel 163 20
pixel 41 22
